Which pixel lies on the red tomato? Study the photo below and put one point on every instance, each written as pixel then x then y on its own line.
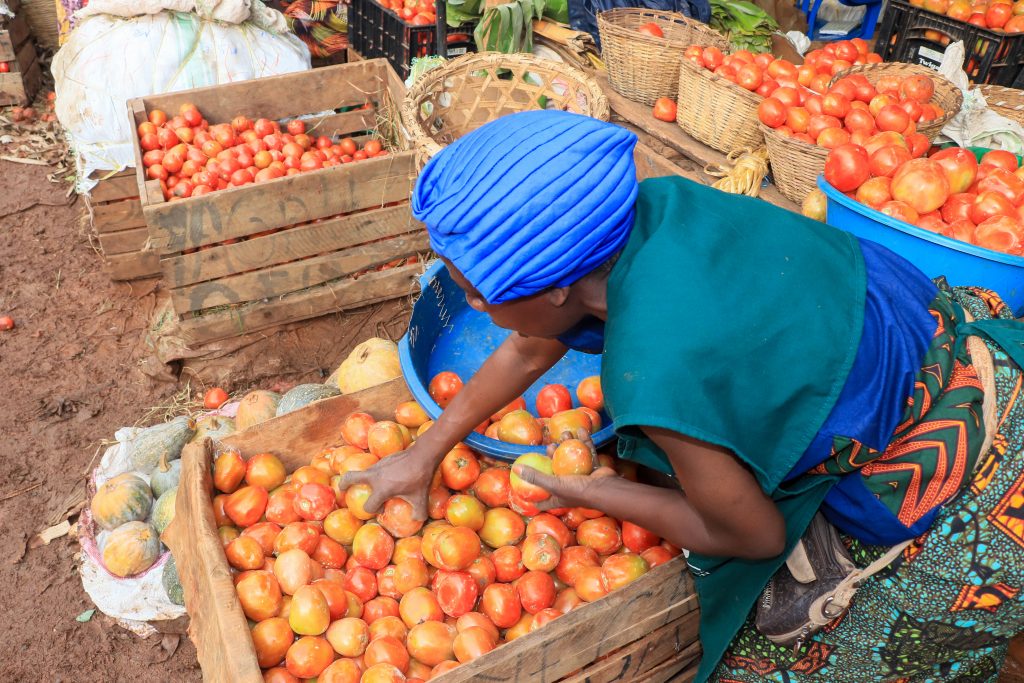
pixel 665 109
pixel 460 469
pixel 553 398
pixel 772 112
pixel 245 506
pixel 444 386
pixel 501 604
pixel 960 167
pixel 361 582
pixel 457 593
pixel 989 204
pixel 536 591
pixel 749 76
pixel 922 184
pixel 601 534
pixel 638 539
pixel 900 211
pixel 875 192
pixel 315 501
pixel 958 207
pixel 492 487
pixel 622 569
pixel 656 556
pixel 999 233
pixel 546 523
pixel 887 160
pixel 892 117
pixel 847 166
pixel 651 29
pixel 1000 158
pixel 373 546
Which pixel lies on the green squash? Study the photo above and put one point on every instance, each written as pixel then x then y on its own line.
pixel 163 441
pixel 304 394
pixel 163 510
pixel 165 477
pixel 172 582
pixel 214 426
pixel 125 498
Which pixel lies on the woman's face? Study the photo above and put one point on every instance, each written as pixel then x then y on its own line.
pixel 546 315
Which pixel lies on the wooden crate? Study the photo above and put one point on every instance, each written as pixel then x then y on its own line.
pixel 20 85
pixel 116 215
pixel 331 224
pixel 645 632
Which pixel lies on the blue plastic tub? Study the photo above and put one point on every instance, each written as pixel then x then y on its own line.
pixel 961 263
pixel 446 334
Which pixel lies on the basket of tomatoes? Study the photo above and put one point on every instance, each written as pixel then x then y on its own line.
pixel 643 49
pixel 487 588
pixel 800 126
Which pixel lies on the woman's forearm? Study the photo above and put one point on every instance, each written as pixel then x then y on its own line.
pixel 516 364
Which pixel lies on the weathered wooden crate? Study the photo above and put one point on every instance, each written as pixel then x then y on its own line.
pixel 643 633
pixel 20 85
pixel 252 257
pixel 116 215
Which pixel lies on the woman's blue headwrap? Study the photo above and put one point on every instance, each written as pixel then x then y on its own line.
pixel 530 201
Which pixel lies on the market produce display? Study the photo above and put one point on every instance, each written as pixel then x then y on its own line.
pixel 949 192
pixel 996 15
pixel 340 594
pixel 854 110
pixel 555 414
pixel 190 157
pixel 415 12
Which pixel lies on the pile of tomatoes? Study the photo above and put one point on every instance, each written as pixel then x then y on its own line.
pixel 191 158
pixel 949 192
pixel 415 12
pixel 556 415
pixel 998 15
pixel 854 110
pixel 346 596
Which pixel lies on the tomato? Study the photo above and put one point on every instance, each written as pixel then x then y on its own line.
pixel 309 614
pixel 214 398
pixel 355 429
pixel 846 167
pixel 1001 158
pixel 798 118
pixel 664 109
pixel 900 211
pixel 546 523
pixel 502 527
pixel 293 570
pixel 264 533
pixel 361 582
pixel 483 571
pixel 341 526
pixel 388 626
pixel 638 539
pixel 590 584
pixel 444 386
pixel 821 122
pixel 960 167
pixel 999 233
pixel 387 650
pixel 922 184
pixel 601 534
pixel 465 510
pixel 656 556
pixel 553 398
pixel 228 471
pixel 279 674
pixel 259 595
pixel 457 593
pixel 622 569
pixel 958 207
pixel 536 591
pixel 887 160
pixel 573 559
pixel 518 404
pixel 998 14
pixel 651 29
pixel 500 603
pixel 472 642
pixel 493 486
pixel 386 582
pixel 989 204
pixel 1005 183
pixel 314 501
pixel 245 552
pixel 875 192
pixel 419 605
pixel 396 517
pixel 309 656
pixel 272 638
pixel 456 548
pixel 355 500
pixel 373 546
pixel 387 438
pixel 892 117
pixel 525 490
pixel 459 469
pixel 379 608
pixel 330 553
pixel 265 470
pixel 541 552
pixel 246 505
pixel 431 642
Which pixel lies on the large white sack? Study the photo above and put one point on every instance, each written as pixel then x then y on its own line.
pixel 109 60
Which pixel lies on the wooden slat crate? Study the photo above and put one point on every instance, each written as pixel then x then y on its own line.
pixel 116 215
pixel 252 257
pixel 20 85
pixel 645 632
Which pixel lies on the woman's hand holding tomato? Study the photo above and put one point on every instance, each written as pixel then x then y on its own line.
pixel 566 491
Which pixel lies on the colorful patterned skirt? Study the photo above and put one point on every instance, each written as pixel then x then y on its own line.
pixel 946 609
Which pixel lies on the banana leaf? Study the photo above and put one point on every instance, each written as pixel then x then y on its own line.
pixel 509 27
pixel 747 26
pixel 459 12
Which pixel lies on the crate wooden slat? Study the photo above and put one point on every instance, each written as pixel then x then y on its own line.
pixel 246 258
pixel 20 85
pixel 120 226
pixel 645 632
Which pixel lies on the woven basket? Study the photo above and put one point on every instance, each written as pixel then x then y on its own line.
pixel 795 164
pixel 947 95
pixel 467 92
pixel 42 21
pixel 1008 102
pixel 643 68
pixel 716 111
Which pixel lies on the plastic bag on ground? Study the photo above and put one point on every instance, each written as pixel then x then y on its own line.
pixel 975 125
pixel 107 61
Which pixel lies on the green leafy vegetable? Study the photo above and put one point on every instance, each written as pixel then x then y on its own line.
pixel 746 25
pixel 509 27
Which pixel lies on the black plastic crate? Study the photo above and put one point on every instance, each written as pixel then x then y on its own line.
pixel 375 31
pixel 915 35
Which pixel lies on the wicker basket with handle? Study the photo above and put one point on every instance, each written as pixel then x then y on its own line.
pixel 467 92
pixel 1008 102
pixel 641 67
pixel 795 164
pixel 716 111
pixel 947 96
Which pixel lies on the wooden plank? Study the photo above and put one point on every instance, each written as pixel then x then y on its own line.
pixel 284 96
pixel 344 124
pixel 328 298
pixel 133 266
pixel 583 635
pixel 26 56
pixel 297 436
pixel 673 645
pixel 290 277
pixel 672 135
pixel 11 38
pixel 120 186
pixel 676 671
pixel 116 216
pixel 242 211
pixel 124 242
pixel 650 164
pixel 288 245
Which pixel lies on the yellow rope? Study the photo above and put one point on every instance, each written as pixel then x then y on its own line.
pixel 748 171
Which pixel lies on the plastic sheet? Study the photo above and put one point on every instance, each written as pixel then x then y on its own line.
pixel 107 61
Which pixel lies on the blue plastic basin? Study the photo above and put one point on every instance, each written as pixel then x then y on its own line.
pixel 446 334
pixel 962 264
